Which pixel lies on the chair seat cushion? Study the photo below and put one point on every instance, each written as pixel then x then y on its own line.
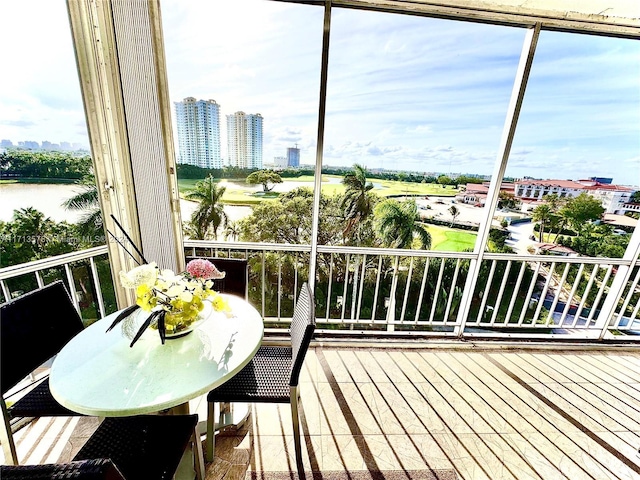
pixel 264 379
pixel 145 447
pixel 39 403
pixel 99 469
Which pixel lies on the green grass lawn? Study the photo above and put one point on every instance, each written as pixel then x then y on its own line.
pixel 385 188
pixel 450 240
pixel 236 193
pixel 392 187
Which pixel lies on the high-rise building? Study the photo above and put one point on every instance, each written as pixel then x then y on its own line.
pixel 293 156
pixel 47 145
pixel 244 140
pixel 198 123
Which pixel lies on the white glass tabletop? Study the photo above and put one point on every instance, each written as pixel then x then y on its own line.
pixel 97 373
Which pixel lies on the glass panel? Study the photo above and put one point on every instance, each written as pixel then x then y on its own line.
pixel 44 156
pixel 576 154
pixel 418 104
pixel 227 63
pixel 568 182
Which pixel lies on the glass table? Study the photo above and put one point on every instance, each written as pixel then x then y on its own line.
pixel 98 373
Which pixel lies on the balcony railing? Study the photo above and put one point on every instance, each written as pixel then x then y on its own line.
pixel 87 270
pixel 396 293
pixel 400 293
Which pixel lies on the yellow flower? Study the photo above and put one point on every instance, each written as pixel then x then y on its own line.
pixel 180 296
pixel 145 298
pixel 219 303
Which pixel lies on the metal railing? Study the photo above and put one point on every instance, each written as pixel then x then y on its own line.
pixel 408 293
pixel 394 292
pixel 86 274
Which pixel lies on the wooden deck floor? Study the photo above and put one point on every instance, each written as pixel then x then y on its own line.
pixel 488 413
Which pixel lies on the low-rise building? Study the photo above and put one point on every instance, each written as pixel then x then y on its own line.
pixel 528 189
pixel 614 198
pixel 280 162
pixel 554 249
pixel 476 193
pixel 473 194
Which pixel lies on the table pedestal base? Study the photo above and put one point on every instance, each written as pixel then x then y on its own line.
pixel 233 415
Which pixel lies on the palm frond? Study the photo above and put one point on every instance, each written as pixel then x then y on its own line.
pixel 87 198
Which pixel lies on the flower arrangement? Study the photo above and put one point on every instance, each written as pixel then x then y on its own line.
pixel 174 301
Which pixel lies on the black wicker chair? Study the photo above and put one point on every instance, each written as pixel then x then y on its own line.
pixel 100 469
pixel 34 328
pixel 272 376
pixel 236 278
pixel 145 447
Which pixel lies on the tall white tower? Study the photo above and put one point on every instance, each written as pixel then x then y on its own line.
pixel 198 124
pixel 244 140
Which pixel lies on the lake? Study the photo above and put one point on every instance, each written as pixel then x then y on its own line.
pixel 48 199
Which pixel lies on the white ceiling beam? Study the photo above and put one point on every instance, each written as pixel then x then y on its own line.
pixel 612 17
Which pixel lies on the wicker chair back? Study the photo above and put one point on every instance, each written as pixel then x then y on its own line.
pixel 303 325
pixel 34 328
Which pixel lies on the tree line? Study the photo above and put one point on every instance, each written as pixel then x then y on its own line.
pixel 575 223
pixel 194 172
pixel 16 164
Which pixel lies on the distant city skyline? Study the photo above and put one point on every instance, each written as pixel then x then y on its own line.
pixel 404 92
pixel 44 145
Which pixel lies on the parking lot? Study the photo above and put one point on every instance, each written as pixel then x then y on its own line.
pixel 438 208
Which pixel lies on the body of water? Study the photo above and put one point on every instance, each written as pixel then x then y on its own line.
pixel 43 197
pixel 48 199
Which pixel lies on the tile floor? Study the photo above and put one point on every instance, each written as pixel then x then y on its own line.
pixel 489 413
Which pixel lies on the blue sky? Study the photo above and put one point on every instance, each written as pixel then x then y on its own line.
pixel 404 92
pixel 39 91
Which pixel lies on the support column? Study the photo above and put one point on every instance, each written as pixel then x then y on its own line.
pixel 508 133
pixel 120 57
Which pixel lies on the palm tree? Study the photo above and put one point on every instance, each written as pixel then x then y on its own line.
pixel 358 201
pixel 30 223
pixel 542 213
pixel 453 210
pixel 90 223
pixel 232 231
pixel 210 214
pixel 398 225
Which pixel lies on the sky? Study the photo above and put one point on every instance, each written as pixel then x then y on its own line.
pixel 403 93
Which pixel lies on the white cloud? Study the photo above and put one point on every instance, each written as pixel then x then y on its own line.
pixel 403 91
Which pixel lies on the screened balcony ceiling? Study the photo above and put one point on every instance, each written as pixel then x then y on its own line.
pixel 614 12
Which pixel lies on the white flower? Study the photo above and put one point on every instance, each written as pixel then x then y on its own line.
pixel 174 291
pixel 186 296
pixel 143 275
pixel 170 277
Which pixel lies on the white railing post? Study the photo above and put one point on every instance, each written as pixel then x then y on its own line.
pixel 391 310
pixel 96 285
pixel 620 280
